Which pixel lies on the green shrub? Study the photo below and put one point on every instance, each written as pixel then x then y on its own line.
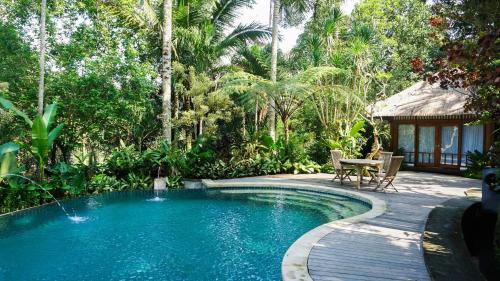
pixel 350 141
pixel 327 168
pixel 306 167
pixel 123 160
pixel 71 179
pixel 243 168
pixel 174 182
pixel 163 160
pixel 215 170
pixel 478 161
pixel 136 182
pixel 104 183
pixel 319 152
pixel 17 193
pixel 269 165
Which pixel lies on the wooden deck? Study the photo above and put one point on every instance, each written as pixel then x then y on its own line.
pixel 388 247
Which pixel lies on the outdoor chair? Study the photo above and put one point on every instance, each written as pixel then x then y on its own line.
pixel 385 157
pixel 390 173
pixel 340 172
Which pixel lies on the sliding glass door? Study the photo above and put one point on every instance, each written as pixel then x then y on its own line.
pixel 426 145
pixel 406 142
pixel 449 146
pixel 472 142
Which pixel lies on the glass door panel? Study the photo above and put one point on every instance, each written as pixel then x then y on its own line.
pixel 406 142
pixel 449 145
pixel 426 143
pixel 472 140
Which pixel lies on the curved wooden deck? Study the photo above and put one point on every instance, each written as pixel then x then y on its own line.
pixel 388 247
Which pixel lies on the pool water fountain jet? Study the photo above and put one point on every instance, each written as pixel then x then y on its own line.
pixel 73 218
pixel 157 197
pixel 159 185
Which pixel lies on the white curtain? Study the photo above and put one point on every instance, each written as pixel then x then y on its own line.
pixel 406 141
pixel 472 140
pixel 449 145
pixel 426 142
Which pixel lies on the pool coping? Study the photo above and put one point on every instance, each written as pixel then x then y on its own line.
pixel 294 265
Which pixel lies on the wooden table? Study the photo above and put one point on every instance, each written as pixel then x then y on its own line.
pixel 359 164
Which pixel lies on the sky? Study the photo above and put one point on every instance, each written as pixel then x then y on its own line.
pixel 260 13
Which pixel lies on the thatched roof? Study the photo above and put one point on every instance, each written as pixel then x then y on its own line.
pixel 422 101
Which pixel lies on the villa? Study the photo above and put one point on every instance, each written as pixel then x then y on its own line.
pixel 432 129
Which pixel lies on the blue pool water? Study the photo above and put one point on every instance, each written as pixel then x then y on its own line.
pixel 230 234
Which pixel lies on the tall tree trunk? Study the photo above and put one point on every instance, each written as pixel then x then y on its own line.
pixel 274 64
pixel 256 116
pixel 167 71
pixel 286 129
pixel 375 152
pixel 189 140
pixel 41 82
pixel 244 125
pixel 201 127
pixel 175 112
pixel 270 12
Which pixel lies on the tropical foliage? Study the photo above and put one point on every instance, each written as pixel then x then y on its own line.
pixel 179 89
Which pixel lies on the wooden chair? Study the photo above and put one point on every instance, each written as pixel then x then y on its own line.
pixel 390 173
pixel 385 157
pixel 347 170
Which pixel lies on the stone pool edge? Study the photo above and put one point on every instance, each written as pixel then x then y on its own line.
pixel 294 264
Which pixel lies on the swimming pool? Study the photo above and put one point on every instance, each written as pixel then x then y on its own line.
pixel 216 234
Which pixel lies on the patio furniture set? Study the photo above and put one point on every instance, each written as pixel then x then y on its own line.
pixel 382 170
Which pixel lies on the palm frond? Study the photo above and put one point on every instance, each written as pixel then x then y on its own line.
pixel 332 21
pixel 141 15
pixel 252 60
pixel 150 15
pixel 226 11
pixel 293 11
pixel 245 33
pixel 362 32
pixel 314 75
pixel 251 89
pixel 186 15
pixel 128 15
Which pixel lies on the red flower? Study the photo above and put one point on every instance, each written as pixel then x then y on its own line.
pixel 436 22
pixel 417 65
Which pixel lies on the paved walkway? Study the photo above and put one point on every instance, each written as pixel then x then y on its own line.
pixel 388 247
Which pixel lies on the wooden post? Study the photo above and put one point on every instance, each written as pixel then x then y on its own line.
pixel 437 146
pixel 416 144
pixel 460 132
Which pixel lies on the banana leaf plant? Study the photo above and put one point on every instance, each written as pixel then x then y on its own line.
pixel 8 163
pixel 42 136
pixel 348 141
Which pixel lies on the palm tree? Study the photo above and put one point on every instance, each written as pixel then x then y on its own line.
pixel 291 11
pixel 359 50
pixel 199 40
pixel 166 83
pixel 288 95
pixel 254 60
pixel 332 24
pixel 41 82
